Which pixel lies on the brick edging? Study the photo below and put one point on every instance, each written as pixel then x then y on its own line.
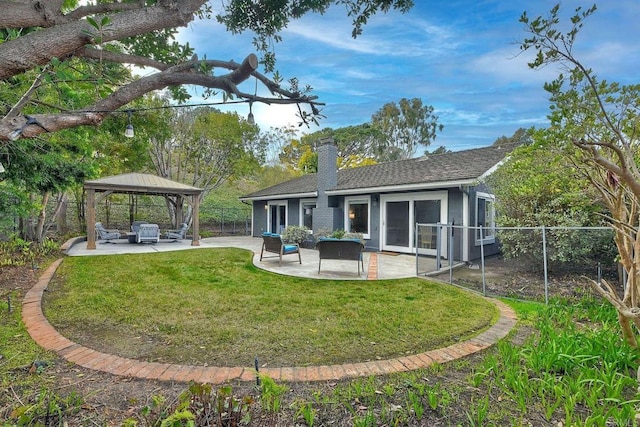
pixel 48 338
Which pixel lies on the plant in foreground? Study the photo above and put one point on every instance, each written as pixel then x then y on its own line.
pixel 575 374
pixel 47 409
pixel 307 412
pixel 271 394
pixel 199 405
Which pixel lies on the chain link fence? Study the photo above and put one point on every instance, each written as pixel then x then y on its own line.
pixel 214 221
pixel 531 263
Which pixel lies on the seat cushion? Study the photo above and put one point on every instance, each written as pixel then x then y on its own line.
pixel 290 248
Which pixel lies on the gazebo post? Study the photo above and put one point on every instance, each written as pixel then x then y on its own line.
pixel 179 210
pixel 91 219
pixel 195 200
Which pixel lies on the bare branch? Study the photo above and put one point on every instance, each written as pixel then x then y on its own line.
pixel 24 99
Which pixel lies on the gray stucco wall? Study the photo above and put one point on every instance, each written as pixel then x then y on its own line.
pixel 293 212
pixel 331 217
pixel 373 244
pixel 474 249
pixel 259 218
pixel 455 216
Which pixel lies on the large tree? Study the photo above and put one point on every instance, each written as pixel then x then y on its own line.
pixel 404 127
pixel 40 38
pixel 395 132
pixel 204 148
pixel 598 120
pixel 355 146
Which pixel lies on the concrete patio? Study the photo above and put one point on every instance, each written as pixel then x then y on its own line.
pixel 377 265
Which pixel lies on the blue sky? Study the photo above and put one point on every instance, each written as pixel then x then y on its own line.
pixel 459 56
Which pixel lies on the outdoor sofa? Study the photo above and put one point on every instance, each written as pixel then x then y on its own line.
pixel 340 249
pixel 148 233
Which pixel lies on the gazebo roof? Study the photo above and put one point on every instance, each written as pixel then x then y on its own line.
pixel 140 183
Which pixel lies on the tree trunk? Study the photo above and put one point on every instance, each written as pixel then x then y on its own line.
pixel 80 214
pixel 627 330
pixel 39 228
pixel 133 207
pixel 61 218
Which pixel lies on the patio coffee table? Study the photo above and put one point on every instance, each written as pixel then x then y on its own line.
pixel 131 236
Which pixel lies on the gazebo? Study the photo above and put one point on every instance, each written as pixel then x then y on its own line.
pixel 141 183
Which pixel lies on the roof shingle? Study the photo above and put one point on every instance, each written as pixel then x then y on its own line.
pixel 467 165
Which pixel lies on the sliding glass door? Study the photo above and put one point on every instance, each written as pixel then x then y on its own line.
pixel 397 224
pixel 400 212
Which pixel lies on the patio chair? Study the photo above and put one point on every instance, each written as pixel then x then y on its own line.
pixel 179 234
pixel 106 235
pixel 148 233
pixel 340 249
pixel 273 243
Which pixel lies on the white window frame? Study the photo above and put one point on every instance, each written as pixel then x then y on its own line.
pixel 275 205
pixel 360 200
pixel 488 231
pixel 301 211
pixel 412 198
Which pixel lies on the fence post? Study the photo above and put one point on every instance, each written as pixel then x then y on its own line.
pixel 484 277
pixel 438 246
pixel 544 260
pixel 415 245
pixel 450 236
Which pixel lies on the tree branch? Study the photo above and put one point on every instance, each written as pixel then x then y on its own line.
pixel 121 58
pixel 60 41
pixel 15 110
pixel 102 8
pixel 180 74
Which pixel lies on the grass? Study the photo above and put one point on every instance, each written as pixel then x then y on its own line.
pixel 575 369
pixel 213 306
pixel 18 350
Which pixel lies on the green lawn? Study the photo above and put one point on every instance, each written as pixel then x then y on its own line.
pixel 212 306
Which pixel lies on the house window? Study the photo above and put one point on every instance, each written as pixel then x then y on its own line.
pixel 357 216
pixel 485 218
pixel 306 213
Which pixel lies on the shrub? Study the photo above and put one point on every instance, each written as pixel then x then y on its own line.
pixel 295 234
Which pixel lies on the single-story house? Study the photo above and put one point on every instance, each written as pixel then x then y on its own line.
pixel 384 201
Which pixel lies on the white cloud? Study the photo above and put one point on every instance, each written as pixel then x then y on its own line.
pixel 459 56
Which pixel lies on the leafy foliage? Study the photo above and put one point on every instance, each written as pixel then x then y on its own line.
pixel 295 234
pixel 395 132
pixel 267 18
pixel 404 127
pixel 539 186
pixel 598 120
pixel 203 147
pixel 568 368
